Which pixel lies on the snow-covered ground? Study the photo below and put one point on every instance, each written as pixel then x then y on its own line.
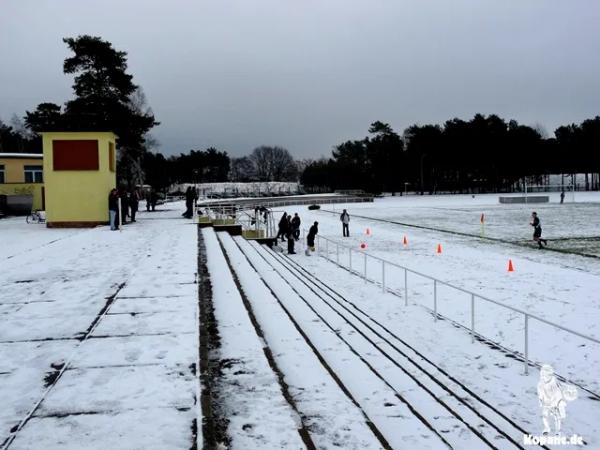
pixel 99 332
pixel 98 335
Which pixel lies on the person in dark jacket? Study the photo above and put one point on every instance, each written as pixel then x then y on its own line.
pixel 282 227
pixel 190 197
pixel 310 238
pixel 296 226
pixel 153 199
pixel 134 203
pixel 113 209
pixel 345 219
pixel 537 230
pixel 124 205
pixel 290 242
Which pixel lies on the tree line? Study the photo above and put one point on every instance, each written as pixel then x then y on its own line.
pixel 484 154
pixel 264 163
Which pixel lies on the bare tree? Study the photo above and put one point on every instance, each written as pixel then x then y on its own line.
pixel 242 169
pixel 18 125
pixel 273 164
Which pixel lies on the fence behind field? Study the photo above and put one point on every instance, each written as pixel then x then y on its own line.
pixel 394 278
pixel 286 201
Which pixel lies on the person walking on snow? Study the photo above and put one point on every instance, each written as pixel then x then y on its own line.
pixel 345 219
pixel 310 239
pixel 296 226
pixel 282 227
pixel 537 230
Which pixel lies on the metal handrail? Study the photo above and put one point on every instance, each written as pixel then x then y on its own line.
pixel 526 315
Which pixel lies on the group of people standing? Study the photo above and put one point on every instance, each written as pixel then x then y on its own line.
pixel 130 201
pixel 289 229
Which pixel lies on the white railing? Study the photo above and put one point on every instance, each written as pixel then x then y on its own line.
pixel 271 203
pixel 338 258
pixel 255 219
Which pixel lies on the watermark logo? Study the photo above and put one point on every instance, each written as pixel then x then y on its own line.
pixel 553 396
pixel 544 439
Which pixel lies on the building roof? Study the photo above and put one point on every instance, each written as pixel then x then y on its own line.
pixel 22 155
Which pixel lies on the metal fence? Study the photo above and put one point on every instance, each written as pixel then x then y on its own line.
pixel 357 262
pixel 288 201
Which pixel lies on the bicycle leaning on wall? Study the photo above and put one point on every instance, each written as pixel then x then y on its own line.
pixel 36 216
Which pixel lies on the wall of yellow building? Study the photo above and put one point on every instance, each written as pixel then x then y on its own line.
pixel 79 196
pixel 33 189
pixel 14 179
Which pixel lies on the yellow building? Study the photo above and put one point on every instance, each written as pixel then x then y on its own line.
pixel 79 172
pixel 21 175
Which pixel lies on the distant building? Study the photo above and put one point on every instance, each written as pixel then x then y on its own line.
pixel 22 181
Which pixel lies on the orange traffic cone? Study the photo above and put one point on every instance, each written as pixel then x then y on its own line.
pixel 439 248
pixel 510 266
pixel 405 241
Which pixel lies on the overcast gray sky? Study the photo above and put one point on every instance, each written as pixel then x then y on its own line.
pixel 309 74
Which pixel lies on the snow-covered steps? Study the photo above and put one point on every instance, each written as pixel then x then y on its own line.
pixel 341 401
pixel 333 420
pixel 456 414
pixel 248 394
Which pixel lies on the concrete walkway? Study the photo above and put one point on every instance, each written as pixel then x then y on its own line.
pixel 99 335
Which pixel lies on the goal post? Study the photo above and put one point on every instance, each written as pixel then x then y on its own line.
pixel 567 188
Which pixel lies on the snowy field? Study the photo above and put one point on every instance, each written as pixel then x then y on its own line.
pixel 572 226
pixel 98 335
